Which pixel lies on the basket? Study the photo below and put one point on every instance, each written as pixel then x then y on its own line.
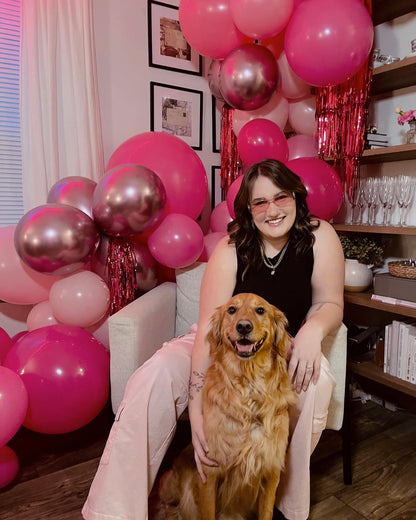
pixel 403 268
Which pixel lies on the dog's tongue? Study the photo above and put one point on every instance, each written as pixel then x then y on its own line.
pixel 244 347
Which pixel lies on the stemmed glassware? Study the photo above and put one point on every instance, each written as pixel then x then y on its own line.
pixel 386 194
pixel 370 193
pixel 404 191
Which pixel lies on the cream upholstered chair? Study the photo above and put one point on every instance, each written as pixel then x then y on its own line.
pixel 168 310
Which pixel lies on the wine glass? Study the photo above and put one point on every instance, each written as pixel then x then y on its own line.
pixel 370 192
pixel 386 194
pixel 405 190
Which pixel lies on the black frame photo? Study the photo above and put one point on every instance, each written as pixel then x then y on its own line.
pixel 217 193
pixel 177 111
pixel 168 48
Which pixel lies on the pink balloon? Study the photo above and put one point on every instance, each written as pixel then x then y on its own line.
pixel 231 194
pixel 41 315
pixel 327 42
pixel 6 343
pixel 146 275
pixel 324 187
pixel 213 77
pixel 276 110
pixel 9 466
pixel 175 162
pixel 302 146
pixel 66 374
pixel 220 217
pixel 13 403
pixel 210 242
pixel 203 21
pixel 261 139
pixel 291 85
pixel 302 115
pixel 177 242
pixel 74 190
pixel 18 282
pixel 19 335
pixel 261 18
pixel 276 44
pixel 80 299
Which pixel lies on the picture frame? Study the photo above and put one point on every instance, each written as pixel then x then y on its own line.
pixel 216 105
pixel 217 193
pixel 177 111
pixel 167 46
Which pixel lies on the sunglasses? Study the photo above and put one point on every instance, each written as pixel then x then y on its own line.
pixel 280 200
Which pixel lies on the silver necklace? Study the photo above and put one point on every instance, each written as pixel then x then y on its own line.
pixel 267 262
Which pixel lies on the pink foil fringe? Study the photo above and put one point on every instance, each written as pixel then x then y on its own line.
pixel 230 164
pixel 121 268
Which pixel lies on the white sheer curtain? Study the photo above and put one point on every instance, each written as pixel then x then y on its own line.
pixel 61 124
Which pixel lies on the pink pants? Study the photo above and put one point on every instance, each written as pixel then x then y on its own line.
pixel 145 423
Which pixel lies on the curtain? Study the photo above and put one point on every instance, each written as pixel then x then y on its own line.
pixel 61 123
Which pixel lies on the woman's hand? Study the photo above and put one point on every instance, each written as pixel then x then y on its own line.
pixel 305 358
pixel 200 445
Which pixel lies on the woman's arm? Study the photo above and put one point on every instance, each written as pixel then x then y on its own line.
pixel 326 312
pixel 217 288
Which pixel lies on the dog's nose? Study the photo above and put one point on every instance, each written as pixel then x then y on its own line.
pixel 244 327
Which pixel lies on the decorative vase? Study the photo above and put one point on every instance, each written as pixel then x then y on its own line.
pixel 357 276
pixel 411 133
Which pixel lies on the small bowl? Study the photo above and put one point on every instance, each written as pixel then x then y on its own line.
pixel 403 268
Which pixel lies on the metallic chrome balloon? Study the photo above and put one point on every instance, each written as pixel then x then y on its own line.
pixel 56 238
pixel 75 191
pixel 128 200
pixel 249 77
pixel 213 77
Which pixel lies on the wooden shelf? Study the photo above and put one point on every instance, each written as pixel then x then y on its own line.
pixel 385 230
pixel 370 370
pixel 385 10
pixel 363 299
pixel 401 152
pixel 400 74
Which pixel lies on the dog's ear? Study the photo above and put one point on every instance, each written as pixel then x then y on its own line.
pixel 214 335
pixel 281 336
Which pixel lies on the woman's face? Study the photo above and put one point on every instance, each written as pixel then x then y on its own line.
pixel 273 209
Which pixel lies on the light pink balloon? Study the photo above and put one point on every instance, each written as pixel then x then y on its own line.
pixel 9 466
pixel 18 282
pixel 80 299
pixel 276 110
pixel 13 403
pixel 220 217
pixel 6 343
pixel 302 146
pixel 208 27
pixel 291 85
pixel 261 18
pixel 231 194
pixel 177 242
pixel 41 315
pixel 175 162
pixel 302 115
pixel 262 139
pixel 74 190
pixel 210 242
pixel 327 42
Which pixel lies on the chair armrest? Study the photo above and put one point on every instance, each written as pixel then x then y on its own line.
pixel 136 332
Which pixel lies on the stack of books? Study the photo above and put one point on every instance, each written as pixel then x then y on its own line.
pixel 400 350
pixel 376 140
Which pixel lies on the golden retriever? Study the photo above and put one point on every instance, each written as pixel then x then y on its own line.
pixel 246 396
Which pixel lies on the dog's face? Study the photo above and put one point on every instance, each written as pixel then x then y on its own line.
pixel 247 323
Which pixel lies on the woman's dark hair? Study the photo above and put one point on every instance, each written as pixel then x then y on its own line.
pixel 245 235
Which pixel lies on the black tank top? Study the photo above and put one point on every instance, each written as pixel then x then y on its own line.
pixel 289 289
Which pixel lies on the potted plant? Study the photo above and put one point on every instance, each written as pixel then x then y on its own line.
pixel 361 255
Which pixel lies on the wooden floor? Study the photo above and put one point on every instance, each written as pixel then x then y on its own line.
pixel 56 471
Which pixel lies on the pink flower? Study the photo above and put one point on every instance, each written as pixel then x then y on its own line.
pixel 405 117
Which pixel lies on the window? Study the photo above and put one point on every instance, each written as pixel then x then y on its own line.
pixel 11 190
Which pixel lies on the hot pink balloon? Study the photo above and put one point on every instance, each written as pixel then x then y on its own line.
pixel 175 162
pixel 210 242
pixel 208 27
pixel 276 110
pixel 18 282
pixel 177 242
pixel 275 44
pixel 6 343
pixel 261 18
pixel 66 374
pixel 291 85
pixel 324 186
pixel 74 190
pixel 13 403
pixel 302 146
pixel 80 299
pixel 327 42
pixel 231 194
pixel 261 139
pixel 9 466
pixel 41 315
pixel 249 77
pixel 302 115
pixel 220 218
pixel 19 335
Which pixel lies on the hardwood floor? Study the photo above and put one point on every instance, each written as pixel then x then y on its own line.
pixel 56 470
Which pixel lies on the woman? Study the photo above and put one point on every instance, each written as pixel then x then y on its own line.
pixel 273 249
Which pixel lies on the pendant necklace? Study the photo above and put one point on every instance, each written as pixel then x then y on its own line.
pixel 267 262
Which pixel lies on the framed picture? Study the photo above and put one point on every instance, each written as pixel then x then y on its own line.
pixel 177 111
pixel 168 48
pixel 216 123
pixel 217 193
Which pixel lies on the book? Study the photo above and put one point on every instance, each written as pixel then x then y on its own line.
pixel 387 348
pixel 393 301
pixel 380 138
